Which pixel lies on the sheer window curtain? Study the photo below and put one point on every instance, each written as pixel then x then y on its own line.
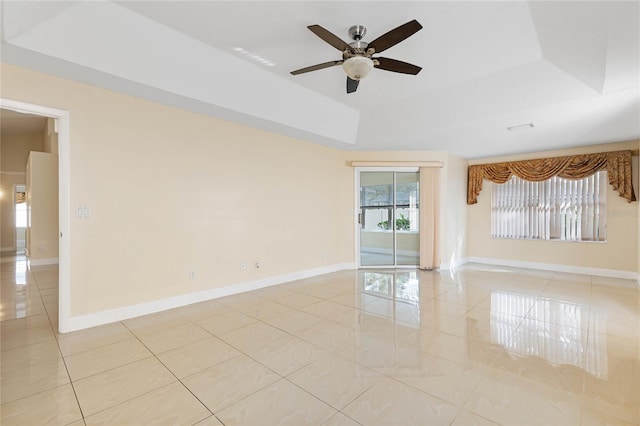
pixel 429 217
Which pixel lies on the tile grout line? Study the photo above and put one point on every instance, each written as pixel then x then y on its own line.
pixel 64 361
pixel 262 364
pixel 300 309
pixel 33 276
pixel 178 380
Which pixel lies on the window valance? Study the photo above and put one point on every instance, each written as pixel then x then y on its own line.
pixel 616 163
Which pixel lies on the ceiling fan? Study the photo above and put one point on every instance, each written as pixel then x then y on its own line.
pixel 357 60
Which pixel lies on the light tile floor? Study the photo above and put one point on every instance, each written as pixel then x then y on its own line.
pixel 481 345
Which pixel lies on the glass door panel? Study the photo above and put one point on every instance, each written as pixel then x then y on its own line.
pixel 407 218
pixel 389 218
pixel 376 218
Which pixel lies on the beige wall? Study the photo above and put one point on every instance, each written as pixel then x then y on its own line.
pixel 50 137
pixel 172 191
pixel 619 252
pixel 7 212
pixel 42 202
pixel 14 151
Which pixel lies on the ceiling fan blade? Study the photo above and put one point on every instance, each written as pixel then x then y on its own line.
pixel 352 85
pixel 330 38
pixel 317 67
pixel 394 65
pixel 395 36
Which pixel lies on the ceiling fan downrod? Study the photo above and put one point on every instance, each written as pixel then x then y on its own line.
pixel 356 33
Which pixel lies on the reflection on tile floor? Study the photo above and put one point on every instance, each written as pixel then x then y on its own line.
pixel 480 345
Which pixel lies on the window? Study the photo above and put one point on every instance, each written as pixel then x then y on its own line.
pixel 554 209
pixel 377 207
pixel 21 210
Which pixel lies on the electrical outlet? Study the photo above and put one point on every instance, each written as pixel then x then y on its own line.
pixel 243 266
pixel 192 274
pixel 41 249
pixel 257 264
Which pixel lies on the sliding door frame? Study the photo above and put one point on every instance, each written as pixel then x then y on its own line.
pixel 357 210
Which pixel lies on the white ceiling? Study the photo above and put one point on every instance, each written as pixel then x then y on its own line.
pixel 571 68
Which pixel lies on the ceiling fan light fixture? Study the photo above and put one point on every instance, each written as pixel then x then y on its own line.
pixel 357 67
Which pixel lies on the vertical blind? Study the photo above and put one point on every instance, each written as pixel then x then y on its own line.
pixel 556 208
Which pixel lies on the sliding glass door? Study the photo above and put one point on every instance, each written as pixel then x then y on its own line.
pixel 388 218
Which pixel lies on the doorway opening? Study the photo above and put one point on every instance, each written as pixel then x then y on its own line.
pixel 61 121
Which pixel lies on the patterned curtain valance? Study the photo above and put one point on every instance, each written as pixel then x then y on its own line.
pixel 617 164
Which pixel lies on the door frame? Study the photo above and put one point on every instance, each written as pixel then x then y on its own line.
pixel 356 224
pixel 64 200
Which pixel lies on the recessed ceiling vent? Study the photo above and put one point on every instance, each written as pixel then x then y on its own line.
pixel 520 127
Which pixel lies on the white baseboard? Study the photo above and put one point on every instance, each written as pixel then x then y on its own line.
pixel 601 272
pixel 43 262
pixel 119 314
